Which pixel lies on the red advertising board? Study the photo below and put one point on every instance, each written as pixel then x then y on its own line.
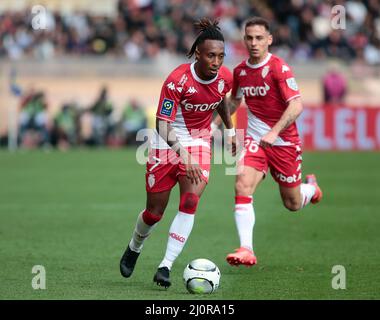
pixel 334 128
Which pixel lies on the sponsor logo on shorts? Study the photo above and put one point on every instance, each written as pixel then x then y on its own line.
pixel 177 237
pixel 167 107
pixel 291 179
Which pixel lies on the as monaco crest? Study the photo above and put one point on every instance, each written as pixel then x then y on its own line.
pixel 265 71
pixel 151 180
pixel 221 85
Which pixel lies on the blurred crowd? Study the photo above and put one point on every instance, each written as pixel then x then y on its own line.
pixel 74 125
pixel 145 29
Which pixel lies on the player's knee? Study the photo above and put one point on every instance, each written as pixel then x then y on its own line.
pixel 152 215
pixel 188 203
pixel 292 204
pixel 242 188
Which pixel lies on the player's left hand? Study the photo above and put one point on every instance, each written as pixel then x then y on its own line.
pixel 268 139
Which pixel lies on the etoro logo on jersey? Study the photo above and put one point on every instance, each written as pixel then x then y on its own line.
pixel 200 106
pixel 167 107
pixel 255 91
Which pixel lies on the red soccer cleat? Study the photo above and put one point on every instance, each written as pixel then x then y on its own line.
pixel 242 256
pixel 311 179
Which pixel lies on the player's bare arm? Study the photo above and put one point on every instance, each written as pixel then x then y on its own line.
pixel 232 104
pixel 290 115
pixel 224 113
pixel 165 130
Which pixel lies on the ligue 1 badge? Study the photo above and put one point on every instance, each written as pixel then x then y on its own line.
pixel 292 84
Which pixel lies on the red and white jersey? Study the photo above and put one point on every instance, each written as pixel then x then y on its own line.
pixel 188 103
pixel 267 88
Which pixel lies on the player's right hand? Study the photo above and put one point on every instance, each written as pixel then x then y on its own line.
pixel 268 139
pixel 194 173
pixel 193 170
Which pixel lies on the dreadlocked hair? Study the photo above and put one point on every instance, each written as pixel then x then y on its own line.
pixel 208 30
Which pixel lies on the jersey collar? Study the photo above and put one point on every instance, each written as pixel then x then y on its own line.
pixel 262 63
pixel 195 76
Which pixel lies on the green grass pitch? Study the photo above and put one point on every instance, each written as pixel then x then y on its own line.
pixel 74 213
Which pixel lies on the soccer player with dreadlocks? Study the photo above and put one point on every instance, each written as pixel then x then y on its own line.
pixel 180 151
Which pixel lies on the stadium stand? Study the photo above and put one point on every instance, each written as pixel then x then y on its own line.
pixel 129 46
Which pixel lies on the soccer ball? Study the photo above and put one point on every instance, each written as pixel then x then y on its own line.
pixel 201 276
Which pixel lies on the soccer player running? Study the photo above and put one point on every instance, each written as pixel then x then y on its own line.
pixel 270 91
pixel 181 150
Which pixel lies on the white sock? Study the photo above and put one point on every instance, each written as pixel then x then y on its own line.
pixel 307 192
pixel 245 221
pixel 178 233
pixel 141 232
